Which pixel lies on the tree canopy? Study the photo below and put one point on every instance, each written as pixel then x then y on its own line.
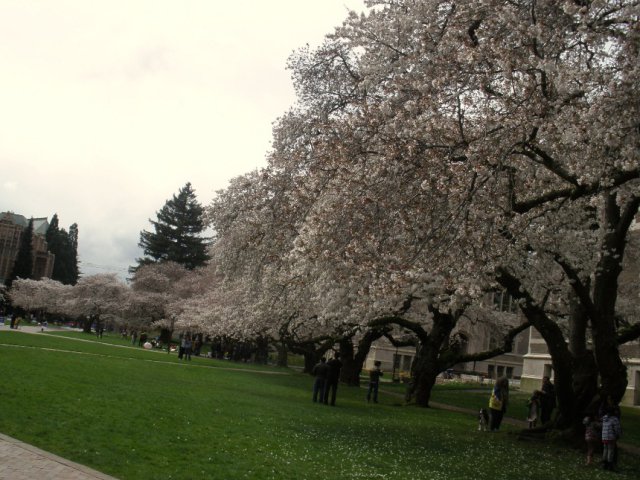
pixel 441 148
pixel 177 233
pixel 64 245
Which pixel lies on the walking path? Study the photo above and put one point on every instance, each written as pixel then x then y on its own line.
pixel 20 461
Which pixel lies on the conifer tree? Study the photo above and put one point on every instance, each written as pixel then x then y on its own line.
pixel 176 236
pixel 73 239
pixel 64 246
pixel 23 266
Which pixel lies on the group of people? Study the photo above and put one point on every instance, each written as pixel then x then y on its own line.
pixel 327 375
pixel 541 404
pixel 325 385
pixel 188 346
pixel 603 427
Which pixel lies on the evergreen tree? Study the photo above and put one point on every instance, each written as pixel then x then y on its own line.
pixel 64 246
pixel 73 238
pixel 23 266
pixel 177 231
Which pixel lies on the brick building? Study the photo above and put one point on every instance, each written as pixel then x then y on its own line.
pixel 11 227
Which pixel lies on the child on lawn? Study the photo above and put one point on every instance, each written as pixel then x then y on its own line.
pixel 591 435
pixel 611 431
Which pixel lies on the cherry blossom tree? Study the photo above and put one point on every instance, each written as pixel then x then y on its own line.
pixel 159 292
pixel 516 119
pixel 39 296
pixel 95 297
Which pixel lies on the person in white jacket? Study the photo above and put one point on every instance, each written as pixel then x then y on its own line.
pixel 611 431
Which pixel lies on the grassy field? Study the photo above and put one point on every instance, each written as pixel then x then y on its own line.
pixel 476 396
pixel 138 414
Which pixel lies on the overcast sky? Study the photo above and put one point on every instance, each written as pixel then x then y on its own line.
pixel 108 108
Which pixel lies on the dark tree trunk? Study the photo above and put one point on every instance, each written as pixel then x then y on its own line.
pixel 585 370
pixel 613 372
pixel 427 365
pixel 350 373
pixel 561 358
pixel 311 357
pixel 165 336
pixel 310 350
pixel 353 368
pixel 262 350
pixel 283 355
pixel 425 370
pixel 86 325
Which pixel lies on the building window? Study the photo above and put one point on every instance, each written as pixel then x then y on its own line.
pixel 503 302
pixel 509 372
pixel 396 361
pixel 500 370
pixel 491 371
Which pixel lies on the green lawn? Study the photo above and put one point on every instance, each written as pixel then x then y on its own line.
pixel 138 414
pixel 107 337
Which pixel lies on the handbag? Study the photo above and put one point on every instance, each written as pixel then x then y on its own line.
pixel 494 402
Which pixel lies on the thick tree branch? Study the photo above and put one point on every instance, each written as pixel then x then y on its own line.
pixel 414 327
pixel 506 347
pixel 540 156
pixel 626 217
pixel 575 192
pixel 409 342
pixel 578 286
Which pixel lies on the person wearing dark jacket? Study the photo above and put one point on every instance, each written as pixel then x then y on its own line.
pixel 320 371
pixel 374 381
pixel 333 375
pixel 547 400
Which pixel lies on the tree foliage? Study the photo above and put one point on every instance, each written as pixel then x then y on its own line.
pixel 64 245
pixel 177 233
pixel 441 148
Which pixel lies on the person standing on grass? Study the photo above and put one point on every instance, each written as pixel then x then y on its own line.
pixel 533 406
pixel 320 371
pixel 611 431
pixel 187 347
pixel 333 376
pixel 498 403
pixel 374 381
pixel 591 435
pixel 547 400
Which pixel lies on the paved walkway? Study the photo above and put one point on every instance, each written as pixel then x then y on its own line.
pixel 20 461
